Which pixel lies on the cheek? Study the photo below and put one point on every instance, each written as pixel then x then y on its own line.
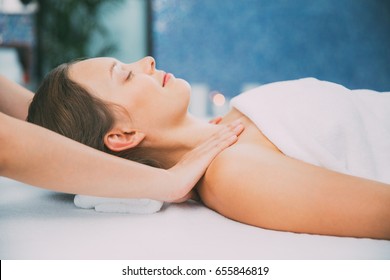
pixel 152 104
pixel 142 103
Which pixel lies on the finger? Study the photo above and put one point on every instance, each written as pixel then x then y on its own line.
pixel 226 136
pixel 226 132
pixel 216 120
pixel 217 143
pixel 236 126
pixel 238 129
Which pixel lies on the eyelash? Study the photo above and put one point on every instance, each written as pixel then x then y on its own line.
pixel 129 75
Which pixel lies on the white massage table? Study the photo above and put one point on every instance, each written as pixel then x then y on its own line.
pixel 40 224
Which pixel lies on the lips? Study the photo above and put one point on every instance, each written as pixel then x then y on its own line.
pixel 166 78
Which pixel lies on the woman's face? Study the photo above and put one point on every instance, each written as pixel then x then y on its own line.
pixel 153 98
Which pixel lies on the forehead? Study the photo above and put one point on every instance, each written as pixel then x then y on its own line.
pixel 93 74
pixel 91 65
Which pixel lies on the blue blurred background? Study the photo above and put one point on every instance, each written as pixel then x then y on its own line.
pixel 230 45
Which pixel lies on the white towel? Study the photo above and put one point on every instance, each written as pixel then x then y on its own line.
pixel 118 205
pixel 325 124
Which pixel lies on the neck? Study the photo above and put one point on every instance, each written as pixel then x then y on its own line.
pixel 168 146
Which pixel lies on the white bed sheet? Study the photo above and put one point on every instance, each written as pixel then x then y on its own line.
pixel 40 224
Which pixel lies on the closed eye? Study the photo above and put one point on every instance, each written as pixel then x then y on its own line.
pixel 129 75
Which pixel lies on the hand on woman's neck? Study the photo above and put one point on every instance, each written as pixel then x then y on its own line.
pixel 168 146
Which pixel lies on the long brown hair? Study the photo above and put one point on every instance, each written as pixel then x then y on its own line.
pixel 67 108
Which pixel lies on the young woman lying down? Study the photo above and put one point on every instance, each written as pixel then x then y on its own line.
pixel 314 156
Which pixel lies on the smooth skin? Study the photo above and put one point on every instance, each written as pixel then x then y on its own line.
pixel 250 182
pixel 254 183
pixel 37 156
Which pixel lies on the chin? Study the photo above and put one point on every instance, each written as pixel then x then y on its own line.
pixel 185 87
pixel 185 93
pixel 184 84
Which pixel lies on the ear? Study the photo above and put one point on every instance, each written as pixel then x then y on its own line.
pixel 117 140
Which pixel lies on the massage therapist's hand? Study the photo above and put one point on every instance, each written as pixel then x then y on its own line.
pixel 193 165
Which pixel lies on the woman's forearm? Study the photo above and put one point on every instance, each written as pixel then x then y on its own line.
pixel 14 99
pixel 42 158
pixel 39 157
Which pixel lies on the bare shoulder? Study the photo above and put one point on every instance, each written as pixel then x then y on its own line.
pixel 231 174
pixel 261 187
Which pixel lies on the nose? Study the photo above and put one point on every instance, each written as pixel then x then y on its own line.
pixel 148 64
